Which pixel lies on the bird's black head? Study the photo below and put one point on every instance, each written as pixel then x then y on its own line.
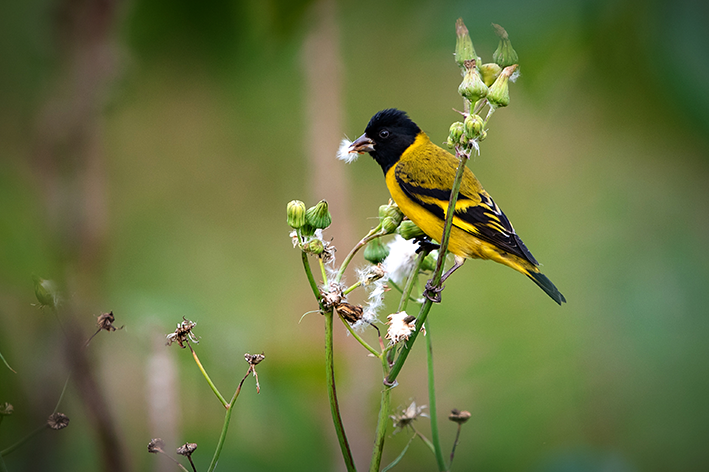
pixel 387 136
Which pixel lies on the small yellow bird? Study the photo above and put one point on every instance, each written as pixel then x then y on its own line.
pixel 420 176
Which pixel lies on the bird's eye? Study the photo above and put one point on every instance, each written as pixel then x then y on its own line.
pixel 384 133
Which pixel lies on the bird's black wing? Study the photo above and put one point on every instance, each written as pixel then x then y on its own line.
pixel 477 214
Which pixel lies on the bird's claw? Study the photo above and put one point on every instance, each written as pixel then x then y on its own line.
pixel 425 245
pixel 433 293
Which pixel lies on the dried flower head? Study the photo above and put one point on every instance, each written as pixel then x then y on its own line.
pixel 105 322
pixel 408 415
pixel 333 297
pixel 58 421
pixel 183 333
pixel 187 449
pixel 254 359
pixel 156 445
pixel 458 416
pixel 351 313
pixel 401 325
pixel 6 409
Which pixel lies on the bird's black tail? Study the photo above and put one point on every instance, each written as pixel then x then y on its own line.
pixel 546 285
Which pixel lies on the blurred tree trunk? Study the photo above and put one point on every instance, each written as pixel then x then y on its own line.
pixel 70 167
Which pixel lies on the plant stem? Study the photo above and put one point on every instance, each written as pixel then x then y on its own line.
pixel 455 444
pixel 309 274
pixel 384 406
pixel 323 272
pixel 400 456
pixel 332 393
pixel 209 380
pixel 359 338
pixel 406 293
pixel 19 443
pixel 225 426
pixel 425 441
pixel 61 396
pixel 374 233
pixel 3 467
pixel 436 279
pixel 432 401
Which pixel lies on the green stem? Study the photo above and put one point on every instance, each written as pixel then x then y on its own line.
pixel 309 274
pixel 225 426
pixel 359 338
pixel 432 402
pixel 436 279
pixel 380 435
pixel 323 272
pixel 400 456
pixel 61 396
pixel 332 393
pixel 425 440
pixel 406 293
pixel 3 467
pixel 354 286
pixel 19 443
pixel 400 290
pixel 209 380
pixel 6 365
pixel 373 234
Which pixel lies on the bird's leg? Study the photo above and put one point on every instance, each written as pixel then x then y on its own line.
pixel 457 265
pixel 434 293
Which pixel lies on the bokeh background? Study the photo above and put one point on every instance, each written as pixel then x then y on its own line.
pixel 148 150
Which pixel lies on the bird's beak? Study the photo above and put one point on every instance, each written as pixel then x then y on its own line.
pixel 362 144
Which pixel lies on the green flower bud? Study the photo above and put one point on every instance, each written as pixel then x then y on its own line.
pixel 318 216
pixel 391 216
pixel 504 55
pixel 314 246
pixel 46 292
pixel 499 95
pixel 429 262
pixel 489 72
pixel 408 230
pixel 307 230
pixel 464 50
pixel 472 88
pixel 455 133
pixel 375 251
pixel 295 214
pixel 473 126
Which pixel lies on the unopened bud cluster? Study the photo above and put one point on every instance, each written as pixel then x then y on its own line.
pixel 306 223
pixel 483 84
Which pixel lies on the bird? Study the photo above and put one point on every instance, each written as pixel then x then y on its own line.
pixel 419 175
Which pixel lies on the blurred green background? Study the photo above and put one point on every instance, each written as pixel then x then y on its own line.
pixel 148 150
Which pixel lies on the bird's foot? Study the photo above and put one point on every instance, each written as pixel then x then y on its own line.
pixel 433 293
pixel 425 245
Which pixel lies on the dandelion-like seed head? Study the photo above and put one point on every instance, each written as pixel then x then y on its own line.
pixel 408 415
pixel 183 333
pixel 401 325
pixel 345 154
pixel 156 445
pixel 401 259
